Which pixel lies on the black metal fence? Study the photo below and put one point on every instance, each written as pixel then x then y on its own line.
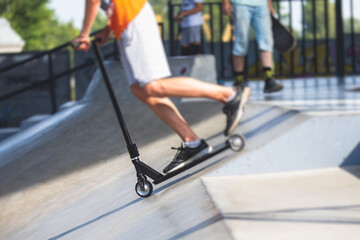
pixel 31 86
pixel 327 33
pixel 324 47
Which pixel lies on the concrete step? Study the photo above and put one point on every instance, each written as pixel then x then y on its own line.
pixel 33 120
pixel 7 132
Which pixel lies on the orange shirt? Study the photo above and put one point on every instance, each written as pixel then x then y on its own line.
pixel 122 13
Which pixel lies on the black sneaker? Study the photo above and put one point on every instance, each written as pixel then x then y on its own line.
pixel 235 108
pixel 186 155
pixel 272 86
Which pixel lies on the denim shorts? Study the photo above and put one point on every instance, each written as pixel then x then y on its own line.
pixel 259 18
pixel 190 35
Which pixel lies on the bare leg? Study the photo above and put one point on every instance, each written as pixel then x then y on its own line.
pixel 166 111
pixel 187 87
pixel 266 58
pixel 239 62
pixel 270 84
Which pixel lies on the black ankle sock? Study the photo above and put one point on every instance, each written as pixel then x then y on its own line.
pixel 267 73
pixel 239 77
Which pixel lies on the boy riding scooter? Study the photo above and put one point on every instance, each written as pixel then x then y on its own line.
pixel 142 53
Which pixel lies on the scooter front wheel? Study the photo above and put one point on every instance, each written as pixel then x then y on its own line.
pixel 144 191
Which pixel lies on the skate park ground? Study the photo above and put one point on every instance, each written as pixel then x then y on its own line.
pixel 70 176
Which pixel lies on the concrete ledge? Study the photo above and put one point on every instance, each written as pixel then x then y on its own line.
pixel 202 67
pixel 7 132
pixel 67 105
pixel 33 120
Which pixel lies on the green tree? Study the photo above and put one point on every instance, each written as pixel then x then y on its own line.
pixel 100 21
pixel 27 22
pixel 36 24
pixel 4 4
pixel 59 33
pixel 320 30
pixel 347 25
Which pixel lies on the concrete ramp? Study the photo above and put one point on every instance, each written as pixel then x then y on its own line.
pixel 70 176
pixel 312 204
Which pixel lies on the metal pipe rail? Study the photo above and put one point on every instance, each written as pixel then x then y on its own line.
pixel 50 81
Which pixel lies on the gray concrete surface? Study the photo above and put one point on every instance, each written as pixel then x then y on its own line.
pixel 33 120
pixel 70 177
pixel 7 132
pixel 312 204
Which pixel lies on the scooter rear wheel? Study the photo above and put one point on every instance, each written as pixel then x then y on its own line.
pixel 144 191
pixel 237 142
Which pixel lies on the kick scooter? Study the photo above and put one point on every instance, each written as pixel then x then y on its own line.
pixel 143 187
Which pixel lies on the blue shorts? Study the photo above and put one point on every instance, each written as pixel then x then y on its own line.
pixel 257 17
pixel 190 35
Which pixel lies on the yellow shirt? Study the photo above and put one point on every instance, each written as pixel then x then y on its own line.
pixel 122 13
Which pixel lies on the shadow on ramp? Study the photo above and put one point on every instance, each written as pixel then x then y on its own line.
pixel 89 137
pixel 299 215
pixel 352 160
pixel 162 188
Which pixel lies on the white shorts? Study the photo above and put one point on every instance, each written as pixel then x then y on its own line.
pixel 141 49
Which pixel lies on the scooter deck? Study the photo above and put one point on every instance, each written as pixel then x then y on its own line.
pixel 217 149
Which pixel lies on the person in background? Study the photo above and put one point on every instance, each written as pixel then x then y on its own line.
pixel 255 13
pixel 190 19
pixel 143 57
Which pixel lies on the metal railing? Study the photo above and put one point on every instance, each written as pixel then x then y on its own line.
pixel 332 52
pixel 322 44
pixel 50 81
